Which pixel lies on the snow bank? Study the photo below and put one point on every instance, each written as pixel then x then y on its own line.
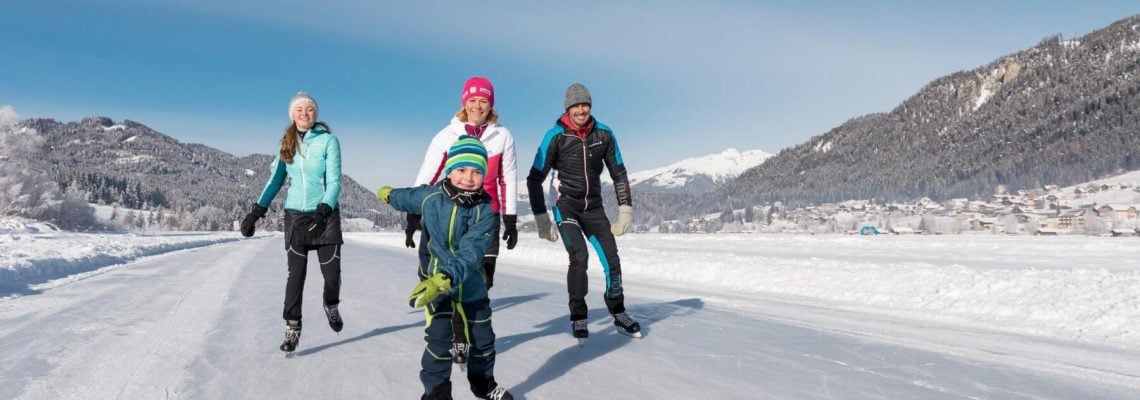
pixel 1075 288
pixel 29 257
pixel 16 225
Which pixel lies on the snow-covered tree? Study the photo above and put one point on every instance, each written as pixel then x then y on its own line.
pixel 1095 226
pixel 26 188
pixel 129 220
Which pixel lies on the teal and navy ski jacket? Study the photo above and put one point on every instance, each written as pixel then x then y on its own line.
pixel 579 161
pixel 314 173
pixel 459 236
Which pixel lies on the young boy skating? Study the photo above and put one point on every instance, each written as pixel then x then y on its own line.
pixel 456 212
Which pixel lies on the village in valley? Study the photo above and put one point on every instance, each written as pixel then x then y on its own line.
pixel 1106 207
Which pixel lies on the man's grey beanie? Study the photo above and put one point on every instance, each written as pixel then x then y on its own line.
pixel 576 94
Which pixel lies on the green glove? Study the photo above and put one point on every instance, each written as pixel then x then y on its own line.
pixel 383 193
pixel 624 221
pixel 429 289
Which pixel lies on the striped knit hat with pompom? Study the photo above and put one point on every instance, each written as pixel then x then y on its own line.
pixel 467 151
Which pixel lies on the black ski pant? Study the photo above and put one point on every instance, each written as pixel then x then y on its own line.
pixel 439 332
pixel 578 227
pixel 489 257
pixel 298 259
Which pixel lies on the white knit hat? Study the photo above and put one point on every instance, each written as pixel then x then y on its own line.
pixel 301 97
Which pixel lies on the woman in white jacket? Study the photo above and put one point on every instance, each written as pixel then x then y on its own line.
pixel 476 117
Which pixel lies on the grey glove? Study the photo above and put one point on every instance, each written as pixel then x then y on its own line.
pixel 546 230
pixel 624 221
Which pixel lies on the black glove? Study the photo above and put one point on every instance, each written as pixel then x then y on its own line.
pixel 410 230
pixel 510 232
pixel 248 223
pixel 319 221
pixel 489 270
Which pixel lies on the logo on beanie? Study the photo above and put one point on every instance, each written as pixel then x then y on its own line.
pixel 477 87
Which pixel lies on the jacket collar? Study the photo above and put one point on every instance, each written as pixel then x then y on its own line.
pixel 568 126
pixel 316 130
pixel 462 197
pixel 457 129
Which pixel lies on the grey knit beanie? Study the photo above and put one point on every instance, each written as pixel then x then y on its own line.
pixel 576 94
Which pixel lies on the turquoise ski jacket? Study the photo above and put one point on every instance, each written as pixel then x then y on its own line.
pixel 314 174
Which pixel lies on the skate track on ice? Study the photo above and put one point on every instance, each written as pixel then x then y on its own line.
pixel 205 324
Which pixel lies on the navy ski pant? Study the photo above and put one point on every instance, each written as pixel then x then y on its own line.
pixel 298 259
pixel 436 361
pixel 578 227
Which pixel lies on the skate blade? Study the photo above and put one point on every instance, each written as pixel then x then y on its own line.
pixel 581 342
pixel 635 335
pixel 290 354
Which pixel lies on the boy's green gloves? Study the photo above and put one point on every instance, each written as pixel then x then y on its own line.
pixel 383 193
pixel 429 289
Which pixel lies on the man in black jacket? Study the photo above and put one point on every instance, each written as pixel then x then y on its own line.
pixel 578 146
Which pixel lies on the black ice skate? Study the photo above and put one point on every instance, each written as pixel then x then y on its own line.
pixel 579 329
pixel 626 325
pixel 499 393
pixel 334 318
pixel 459 345
pixel 292 336
pixel 441 392
pixel 485 387
pixel 459 352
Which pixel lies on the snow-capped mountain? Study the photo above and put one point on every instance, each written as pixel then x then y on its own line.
pixel 698 174
pixel 1060 112
pixel 664 192
pixel 691 175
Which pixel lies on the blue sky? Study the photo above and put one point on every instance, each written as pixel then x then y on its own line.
pixel 675 79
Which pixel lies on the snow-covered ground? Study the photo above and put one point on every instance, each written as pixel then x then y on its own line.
pixel 725 316
pixel 1127 196
pixel 34 256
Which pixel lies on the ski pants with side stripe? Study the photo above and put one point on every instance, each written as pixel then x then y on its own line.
pixel 328 256
pixel 579 227
pixel 436 361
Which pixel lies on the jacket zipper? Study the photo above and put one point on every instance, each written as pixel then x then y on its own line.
pixel 304 186
pixel 451 229
pixel 585 174
pixel 451 247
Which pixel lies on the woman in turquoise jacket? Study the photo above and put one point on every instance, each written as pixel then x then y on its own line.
pixel 310 158
pixel 457 215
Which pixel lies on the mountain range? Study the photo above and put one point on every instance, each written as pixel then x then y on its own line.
pixel 662 193
pixel 137 167
pixel 1060 112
